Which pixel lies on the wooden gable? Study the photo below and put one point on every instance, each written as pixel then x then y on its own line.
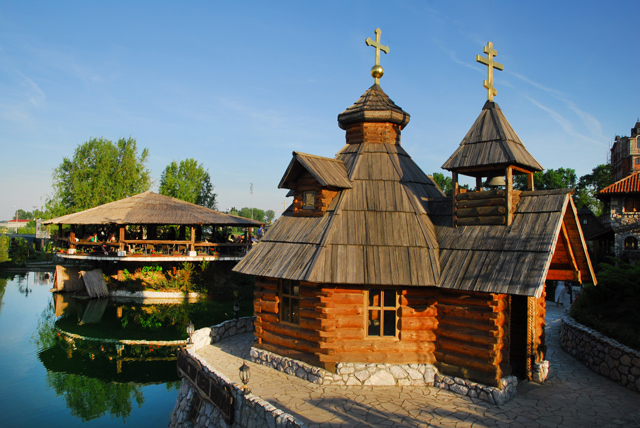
pixel 314 181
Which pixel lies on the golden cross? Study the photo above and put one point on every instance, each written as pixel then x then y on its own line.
pixel 491 64
pixel 377 71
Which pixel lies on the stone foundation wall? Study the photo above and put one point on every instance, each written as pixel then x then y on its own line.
pixel 231 328
pixel 491 394
pixel 358 374
pixel 601 354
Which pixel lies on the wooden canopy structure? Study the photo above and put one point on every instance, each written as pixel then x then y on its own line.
pixel 146 211
pixel 372 263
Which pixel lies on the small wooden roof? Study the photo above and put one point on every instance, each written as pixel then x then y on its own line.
pixel 519 258
pixel 630 184
pixel 373 106
pixel 374 232
pixel 490 144
pixel 152 208
pixel 329 172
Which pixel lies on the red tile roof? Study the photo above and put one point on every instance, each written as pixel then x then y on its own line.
pixel 630 184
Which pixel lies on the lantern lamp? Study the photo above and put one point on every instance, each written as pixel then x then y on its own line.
pixel 245 375
pixel 190 330
pixel 236 310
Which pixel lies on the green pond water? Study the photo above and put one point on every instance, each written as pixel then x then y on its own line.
pixel 68 362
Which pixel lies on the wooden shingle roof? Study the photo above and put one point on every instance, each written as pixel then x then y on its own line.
pixel 374 106
pixel 329 172
pixel 514 259
pixel 152 208
pixel 490 143
pixel 630 184
pixel 377 232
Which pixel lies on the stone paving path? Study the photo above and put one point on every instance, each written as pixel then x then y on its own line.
pixel 572 396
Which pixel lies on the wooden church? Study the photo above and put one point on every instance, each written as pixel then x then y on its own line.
pixel 373 264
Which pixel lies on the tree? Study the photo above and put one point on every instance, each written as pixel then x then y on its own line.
pixel 252 213
pixel 561 178
pixel 99 172
pixel 269 215
pixel 445 183
pixel 188 181
pixel 589 185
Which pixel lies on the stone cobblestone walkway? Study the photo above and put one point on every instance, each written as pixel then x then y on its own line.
pixel 573 396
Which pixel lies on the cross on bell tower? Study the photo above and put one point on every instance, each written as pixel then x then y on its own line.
pixel 491 64
pixel 377 71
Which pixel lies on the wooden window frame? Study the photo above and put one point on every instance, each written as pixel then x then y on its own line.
pixel 631 204
pixel 382 308
pixel 286 300
pixel 631 243
pixel 306 195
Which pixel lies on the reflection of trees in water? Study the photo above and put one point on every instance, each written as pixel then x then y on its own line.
pixel 86 397
pixel 3 287
pixel 89 398
pixel 45 335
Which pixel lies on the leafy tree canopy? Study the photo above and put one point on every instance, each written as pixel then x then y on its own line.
pixel 188 181
pixel 99 172
pixel 445 183
pixel 589 185
pixel 561 178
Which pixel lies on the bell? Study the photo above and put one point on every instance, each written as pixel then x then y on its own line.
pixel 495 182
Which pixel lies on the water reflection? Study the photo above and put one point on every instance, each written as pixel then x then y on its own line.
pixel 99 377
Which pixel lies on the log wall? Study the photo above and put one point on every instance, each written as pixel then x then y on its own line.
pixel 471 335
pixel 492 207
pixel 344 330
pixel 323 196
pixel 298 341
pixel 464 334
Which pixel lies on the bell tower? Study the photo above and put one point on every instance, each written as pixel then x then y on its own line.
pixel 492 153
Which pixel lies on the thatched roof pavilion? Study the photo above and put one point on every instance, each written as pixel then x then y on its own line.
pixel 147 211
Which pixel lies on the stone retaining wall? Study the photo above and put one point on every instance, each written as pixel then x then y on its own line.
pixel 200 389
pixel 601 354
pixel 202 386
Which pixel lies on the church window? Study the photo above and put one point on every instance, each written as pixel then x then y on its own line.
pixel 382 313
pixel 308 200
pixel 290 301
pixel 630 243
pixel 632 204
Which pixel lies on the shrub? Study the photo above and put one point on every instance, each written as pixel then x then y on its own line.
pixel 611 306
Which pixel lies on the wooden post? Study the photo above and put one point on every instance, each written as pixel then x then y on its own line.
pixel 72 238
pixel 509 212
pixel 60 235
pixel 121 239
pixel 530 181
pixel 193 238
pixel 478 184
pixel 455 191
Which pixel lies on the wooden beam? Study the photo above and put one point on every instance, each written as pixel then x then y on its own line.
pixel 567 244
pixel 456 190
pixel 509 186
pixel 564 275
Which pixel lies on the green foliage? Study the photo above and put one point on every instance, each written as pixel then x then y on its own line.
pixel 4 248
pixel 99 172
pixel 20 250
pixel 611 306
pixel 269 215
pixel 445 183
pixel 188 181
pixel 561 178
pixel 589 185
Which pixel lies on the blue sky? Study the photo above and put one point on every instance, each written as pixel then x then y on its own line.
pixel 240 85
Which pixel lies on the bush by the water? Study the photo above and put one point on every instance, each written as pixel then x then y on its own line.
pixel 611 307
pixel 216 279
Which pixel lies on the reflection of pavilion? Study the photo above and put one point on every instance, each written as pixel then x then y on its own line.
pixel 152 227
pixel 112 362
